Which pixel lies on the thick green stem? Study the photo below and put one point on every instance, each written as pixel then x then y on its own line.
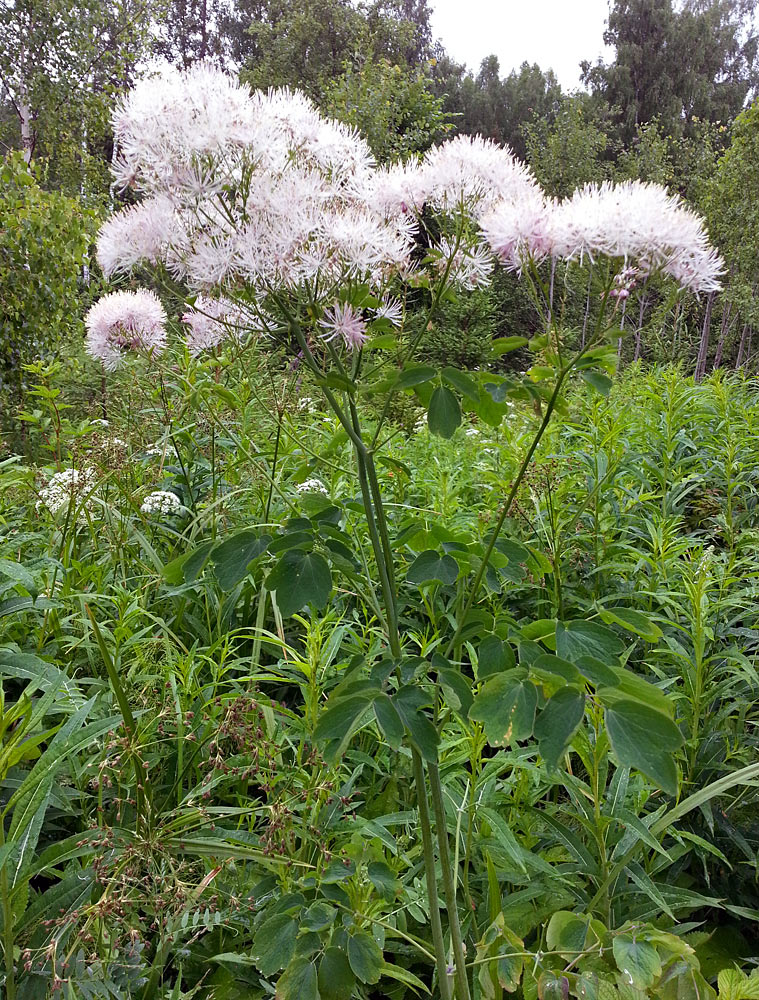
pixel 429 872
pixel 8 937
pixel 449 887
pixel 480 574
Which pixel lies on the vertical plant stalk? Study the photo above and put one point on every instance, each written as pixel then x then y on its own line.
pixel 449 887
pixel 372 501
pixel 8 935
pixel 429 872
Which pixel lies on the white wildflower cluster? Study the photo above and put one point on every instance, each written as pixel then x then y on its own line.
pixel 259 193
pixel 161 502
pixel 641 223
pixel 312 486
pixel 69 488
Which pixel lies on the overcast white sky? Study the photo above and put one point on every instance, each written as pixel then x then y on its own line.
pixel 556 34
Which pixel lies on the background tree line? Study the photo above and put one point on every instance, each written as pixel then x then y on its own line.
pixel 673 106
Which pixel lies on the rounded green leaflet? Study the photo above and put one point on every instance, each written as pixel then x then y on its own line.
pixel 365 957
pixel 298 981
pixel 558 722
pixel 506 708
pixel 429 566
pixel 638 962
pixel 300 578
pixel 444 412
pixel 644 738
pixel 336 979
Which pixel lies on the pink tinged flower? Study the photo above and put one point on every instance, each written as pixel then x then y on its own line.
pixel 136 234
pixel 122 322
pixel 345 322
pixel 519 230
pixel 211 321
pixel 467 266
pixel 638 222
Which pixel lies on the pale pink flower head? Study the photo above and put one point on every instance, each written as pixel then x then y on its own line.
pixel 140 233
pixel 473 172
pixel 122 322
pixel 641 223
pixel 211 321
pixel 347 323
pixel 520 229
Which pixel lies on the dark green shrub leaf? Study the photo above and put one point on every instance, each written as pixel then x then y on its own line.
pixel 300 578
pixel 430 565
pixel 638 962
pixel 274 943
pixel 558 722
pixel 298 981
pixel 340 719
pixel 389 721
pixel 494 656
pixel 365 957
pixel 598 381
pixel 581 638
pixel 336 980
pixel 644 738
pixel 506 708
pixel 232 557
pixel 318 917
pixel 383 879
pixel 633 621
pixel 463 382
pixel 444 413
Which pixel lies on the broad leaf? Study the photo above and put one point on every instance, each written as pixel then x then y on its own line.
pixel 274 943
pixel 644 738
pixel 298 981
pixel 232 557
pixel 506 708
pixel 431 566
pixel 365 957
pixel 300 578
pixel 336 978
pixel 444 412
pixel 637 961
pixel 558 722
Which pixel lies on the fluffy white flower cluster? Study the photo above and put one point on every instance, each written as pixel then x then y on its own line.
pixel 161 502
pixel 64 489
pixel 125 321
pixel 210 321
pixel 312 486
pixel 259 190
pixel 638 222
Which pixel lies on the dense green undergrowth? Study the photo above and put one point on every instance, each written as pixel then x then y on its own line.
pixel 181 821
